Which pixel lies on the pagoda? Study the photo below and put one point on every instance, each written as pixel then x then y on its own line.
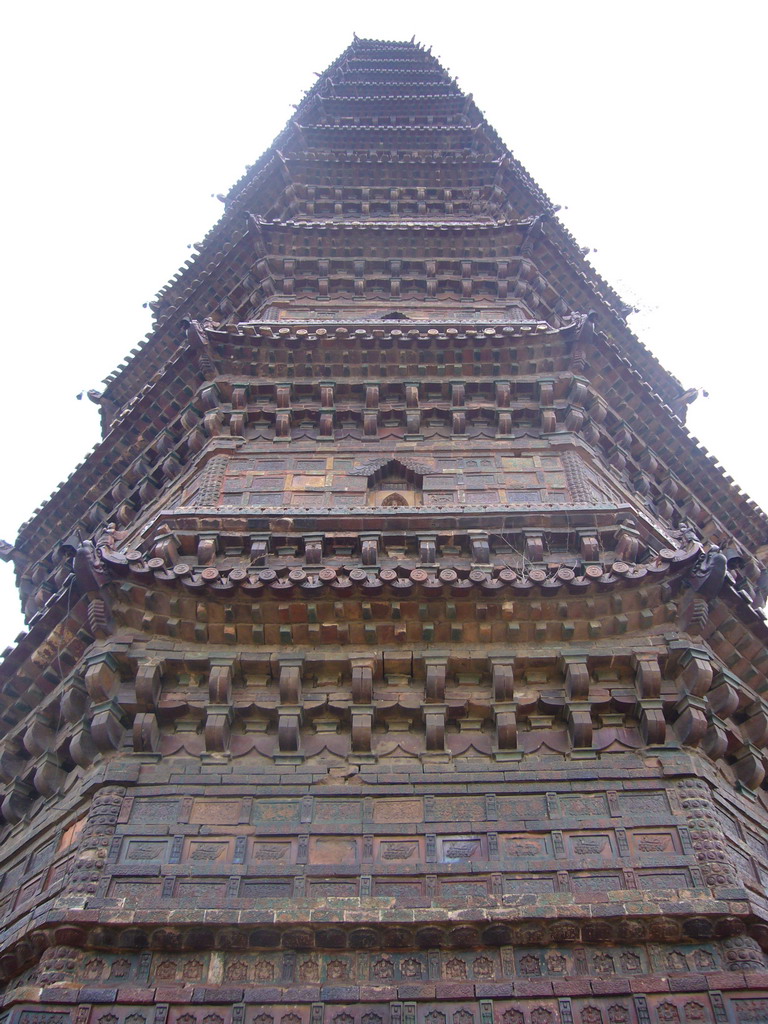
pixel 397 655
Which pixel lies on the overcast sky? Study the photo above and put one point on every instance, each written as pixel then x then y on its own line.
pixel 645 121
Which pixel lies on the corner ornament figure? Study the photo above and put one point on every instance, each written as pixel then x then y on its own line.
pixel 708 575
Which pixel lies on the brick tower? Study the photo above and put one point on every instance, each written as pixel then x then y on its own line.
pixel 396 657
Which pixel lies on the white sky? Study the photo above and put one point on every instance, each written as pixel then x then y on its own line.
pixel 646 120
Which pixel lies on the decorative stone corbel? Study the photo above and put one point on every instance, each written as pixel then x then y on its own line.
pixel 195 440
pixel 289 679
pixel 325 425
pixel 283 425
pixel 165 545
pixel 170 467
pixel 548 421
pixel 598 411
pixel 691 723
pixel 503 678
pixel 589 545
pixel 220 678
pixel 503 394
pixel 370 422
pixel 412 410
pixel 480 547
pixel 579 391
pixel 11 765
pixel 622 435
pixel 289 729
pixel 428 548
pixel 576 671
pixel 694 511
pixel 17 800
pixel 579 722
pixel 362 680
pixel 546 392
pixel 505 716
pixel 749 766
pixel 664 507
pixel 326 394
pixel 647 674
pixel 146 733
pixel 434 688
pixel 371 410
pixel 313 548
pixel 97 516
pixel 696 672
pixel 642 484
pixel 102 676
pixel 259 548
pixel 207 545
pixel 649 462
pixel 82 749
pixel 653 726
pixel 574 419
pixel 138 468
pixel 218 727
pixel 755 725
pixel 534 545
pixel 38 737
pixel 617 458
pixel 107 725
pixel 327 410
pixel 715 742
pixel 503 422
pixel 239 418
pixel 49 777
pixel 148 684
pixel 503 410
pixel 458 422
pixel 362 727
pixel 627 541
pixel 434 724
pixel 213 423
pixel 147 490
pixel 120 490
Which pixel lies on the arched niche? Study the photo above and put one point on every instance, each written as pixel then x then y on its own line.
pixel 394 484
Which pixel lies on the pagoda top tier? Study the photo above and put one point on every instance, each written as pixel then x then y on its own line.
pixel 387 191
